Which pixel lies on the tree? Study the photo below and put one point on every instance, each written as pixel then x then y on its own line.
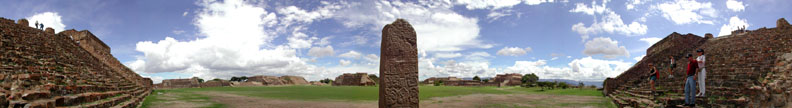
pixel 438 83
pixel 581 85
pixel 530 79
pixel 243 78
pixel 563 85
pixel 375 78
pixel 199 79
pixel 236 79
pixel 485 80
pixel 217 79
pixel 476 78
pixel 326 81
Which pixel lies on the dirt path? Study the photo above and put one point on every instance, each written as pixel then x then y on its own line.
pixel 511 100
pixel 466 101
pixel 237 101
pixel 172 100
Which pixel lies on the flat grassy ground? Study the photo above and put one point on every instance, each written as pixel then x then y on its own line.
pixel 354 94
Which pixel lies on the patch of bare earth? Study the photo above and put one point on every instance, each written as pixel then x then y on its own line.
pixel 237 101
pixel 172 101
pixel 510 100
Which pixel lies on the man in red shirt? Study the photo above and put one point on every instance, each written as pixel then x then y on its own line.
pixel 690 81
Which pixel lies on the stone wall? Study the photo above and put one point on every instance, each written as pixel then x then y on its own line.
pixel 101 51
pixel 180 83
pixel 357 79
pixel 747 69
pixel 443 79
pixel 266 80
pixel 513 79
pixel 216 83
pixel 39 69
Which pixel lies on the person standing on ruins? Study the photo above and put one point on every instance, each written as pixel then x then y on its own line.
pixel 36 24
pixel 653 74
pixel 703 74
pixel 42 26
pixel 690 83
pixel 671 67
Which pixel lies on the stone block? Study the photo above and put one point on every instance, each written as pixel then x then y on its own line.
pixel 23 22
pixel 398 66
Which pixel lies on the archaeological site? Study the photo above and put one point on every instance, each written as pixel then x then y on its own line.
pixel 44 69
pixel 749 68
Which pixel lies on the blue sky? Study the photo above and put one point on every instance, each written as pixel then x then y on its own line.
pixel 579 40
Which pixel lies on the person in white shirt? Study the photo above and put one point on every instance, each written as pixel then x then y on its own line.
pixel 701 58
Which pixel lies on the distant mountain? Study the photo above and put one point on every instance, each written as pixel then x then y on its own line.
pixel 573 82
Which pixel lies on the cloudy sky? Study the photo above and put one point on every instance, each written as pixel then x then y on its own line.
pixel 586 40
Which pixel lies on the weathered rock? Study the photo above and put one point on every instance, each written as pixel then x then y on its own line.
pixel 49 30
pixel 294 80
pixel 782 23
pixel 357 79
pixel 216 83
pixel 513 79
pixel 745 69
pixel 23 22
pixel 267 80
pixel 51 70
pixel 398 66
pixel 181 83
pixel 708 36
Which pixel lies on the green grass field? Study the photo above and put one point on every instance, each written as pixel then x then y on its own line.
pixel 355 93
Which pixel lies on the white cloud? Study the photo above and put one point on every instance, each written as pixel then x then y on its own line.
pixel 356 40
pixel 586 69
pixel 554 58
pixel 496 4
pixel 292 14
pixel 651 40
pixel 234 33
pixel 569 56
pixel 185 13
pixel 439 28
pixel 735 5
pixel 447 55
pixel 688 11
pixel 324 41
pixel 478 56
pixel 178 32
pixel 631 5
pixel 49 19
pixel 453 68
pixel 609 22
pixel 344 62
pixel 321 51
pixel 605 46
pixel 639 58
pixel 298 39
pixel 351 54
pixel 513 51
pixel 734 23
pixel 372 58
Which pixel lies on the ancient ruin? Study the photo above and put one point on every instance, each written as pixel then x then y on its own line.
pixel 282 80
pixel 512 79
pixel 398 66
pixel 179 83
pixel 750 68
pixel 43 69
pixel 216 83
pixel 357 79
pixel 432 80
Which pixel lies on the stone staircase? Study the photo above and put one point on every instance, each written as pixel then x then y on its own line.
pixel 44 69
pixel 743 70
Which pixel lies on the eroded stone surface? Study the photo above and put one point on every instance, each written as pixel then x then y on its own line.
pixel 398 66
pixel 357 79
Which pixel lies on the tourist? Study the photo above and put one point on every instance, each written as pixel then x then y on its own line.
pixel 653 76
pixel 703 74
pixel 671 67
pixel 36 24
pixel 42 26
pixel 690 83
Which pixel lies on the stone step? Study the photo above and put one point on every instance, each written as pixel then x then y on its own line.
pixel 104 103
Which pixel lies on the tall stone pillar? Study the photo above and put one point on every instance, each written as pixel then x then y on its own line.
pixel 398 66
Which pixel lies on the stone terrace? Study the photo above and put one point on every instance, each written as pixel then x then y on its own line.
pixel 43 69
pixel 746 69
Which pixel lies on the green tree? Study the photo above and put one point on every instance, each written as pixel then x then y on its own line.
pixel 485 80
pixel 326 81
pixel 217 79
pixel 243 78
pixel 476 78
pixel 563 85
pixel 438 83
pixel 530 79
pixel 375 78
pixel 199 79
pixel 581 85
pixel 236 79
